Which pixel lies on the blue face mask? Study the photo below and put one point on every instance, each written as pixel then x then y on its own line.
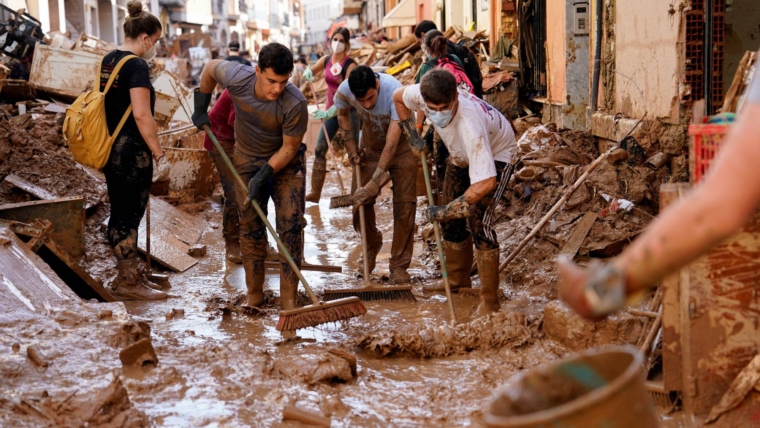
pixel 440 118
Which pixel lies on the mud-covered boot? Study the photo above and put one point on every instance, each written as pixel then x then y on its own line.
pixel 143 279
pixel 128 283
pixel 233 253
pixel 399 276
pixel 488 270
pixel 458 266
pixel 254 282
pixel 317 180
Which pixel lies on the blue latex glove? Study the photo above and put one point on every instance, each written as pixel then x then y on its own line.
pixel 308 75
pixel 325 114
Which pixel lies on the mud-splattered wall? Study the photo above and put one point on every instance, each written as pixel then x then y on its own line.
pixel 647 59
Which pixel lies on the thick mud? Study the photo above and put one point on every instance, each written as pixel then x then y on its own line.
pixel 220 364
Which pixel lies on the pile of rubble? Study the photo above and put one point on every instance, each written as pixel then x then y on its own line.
pixel 402 59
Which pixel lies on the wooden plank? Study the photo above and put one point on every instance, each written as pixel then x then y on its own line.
pixel 573 244
pixel 671 314
pixel 66 214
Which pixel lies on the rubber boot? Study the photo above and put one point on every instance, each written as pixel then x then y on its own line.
pixel 317 180
pixel 128 283
pixel 233 253
pixel 458 266
pixel 488 270
pixel 399 276
pixel 254 282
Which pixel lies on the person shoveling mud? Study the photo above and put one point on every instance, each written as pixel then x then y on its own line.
pixel 482 148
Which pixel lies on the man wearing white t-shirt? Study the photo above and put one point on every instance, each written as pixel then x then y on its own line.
pixel 482 149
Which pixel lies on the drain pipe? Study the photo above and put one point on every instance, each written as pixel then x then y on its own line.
pixel 597 56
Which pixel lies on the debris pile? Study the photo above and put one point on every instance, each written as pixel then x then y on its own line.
pixel 550 161
pixel 494 331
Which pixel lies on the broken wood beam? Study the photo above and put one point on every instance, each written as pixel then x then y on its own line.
pixel 293 413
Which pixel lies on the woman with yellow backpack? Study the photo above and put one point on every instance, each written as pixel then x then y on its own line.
pixel 129 170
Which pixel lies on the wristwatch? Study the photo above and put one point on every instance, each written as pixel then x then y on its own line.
pixel 605 290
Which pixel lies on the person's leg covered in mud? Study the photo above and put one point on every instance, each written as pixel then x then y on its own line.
pixel 129 175
pixel 288 194
pixel 457 240
pixel 374 237
pixel 403 171
pixel 481 222
pixel 230 211
pixel 253 233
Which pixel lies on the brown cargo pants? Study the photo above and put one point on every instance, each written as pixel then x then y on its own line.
pixel 287 190
pixel 403 171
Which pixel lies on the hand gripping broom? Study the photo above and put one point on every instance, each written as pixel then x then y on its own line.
pixel 370 291
pixel 307 316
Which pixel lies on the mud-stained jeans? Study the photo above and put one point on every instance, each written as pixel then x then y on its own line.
pixel 230 213
pixel 480 222
pixel 286 188
pixel 403 171
pixel 129 174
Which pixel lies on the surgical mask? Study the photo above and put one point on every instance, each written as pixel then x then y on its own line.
pixel 149 53
pixel 426 51
pixel 440 118
pixel 338 47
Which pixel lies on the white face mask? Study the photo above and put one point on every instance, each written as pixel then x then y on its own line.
pixel 440 118
pixel 426 51
pixel 338 47
pixel 149 53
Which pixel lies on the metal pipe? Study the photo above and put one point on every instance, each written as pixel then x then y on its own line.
pixel 597 56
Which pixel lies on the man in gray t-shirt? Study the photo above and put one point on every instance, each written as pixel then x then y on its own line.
pixel 271 120
pixel 383 155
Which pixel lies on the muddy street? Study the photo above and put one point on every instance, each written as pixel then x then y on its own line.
pixel 221 365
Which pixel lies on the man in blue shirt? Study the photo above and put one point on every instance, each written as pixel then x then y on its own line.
pixel 382 155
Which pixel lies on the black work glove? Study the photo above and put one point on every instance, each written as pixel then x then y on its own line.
pixel 458 208
pixel 410 131
pixel 201 101
pixel 260 179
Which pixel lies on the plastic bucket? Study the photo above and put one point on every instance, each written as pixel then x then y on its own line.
pixel 600 388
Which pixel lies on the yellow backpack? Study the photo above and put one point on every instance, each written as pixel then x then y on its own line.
pixel 85 128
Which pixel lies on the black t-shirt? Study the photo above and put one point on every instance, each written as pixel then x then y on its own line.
pixel 239 59
pixel 133 74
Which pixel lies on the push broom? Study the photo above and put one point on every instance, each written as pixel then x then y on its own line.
pixel 343 200
pixel 370 291
pixel 307 316
pixel 437 229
